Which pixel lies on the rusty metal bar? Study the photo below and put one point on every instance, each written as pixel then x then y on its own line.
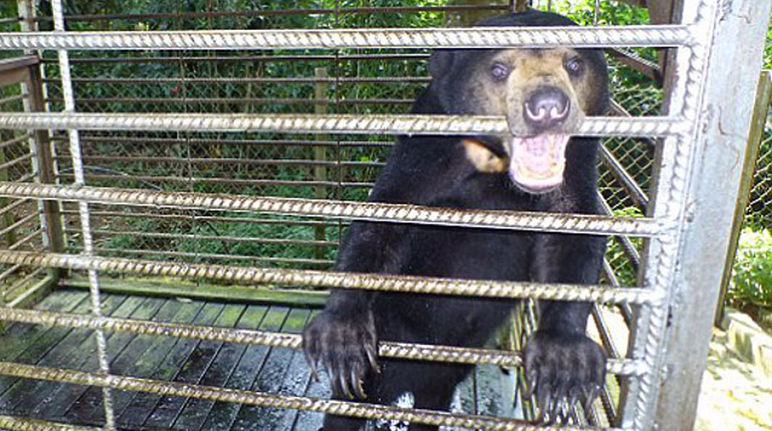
pixel 275 12
pixel 239 80
pixel 199 141
pixel 248 58
pixel 344 408
pixel 197 255
pixel 345 280
pixel 225 238
pixel 339 124
pixel 666 35
pixel 26 424
pixel 205 218
pixel 428 352
pixel 204 180
pixel 227 161
pixel 372 211
pixel 235 100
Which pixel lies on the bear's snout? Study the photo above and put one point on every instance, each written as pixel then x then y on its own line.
pixel 546 108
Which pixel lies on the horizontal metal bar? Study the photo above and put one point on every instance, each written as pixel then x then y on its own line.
pixel 224 238
pixel 427 352
pixel 372 211
pixel 236 100
pixel 202 255
pixel 27 424
pixel 246 58
pixel 203 218
pixel 343 408
pixel 471 37
pixel 193 141
pixel 318 123
pixel 239 80
pixel 226 161
pixel 273 12
pixel 344 280
pixel 204 180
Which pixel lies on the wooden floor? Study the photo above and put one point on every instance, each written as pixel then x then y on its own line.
pixel 275 370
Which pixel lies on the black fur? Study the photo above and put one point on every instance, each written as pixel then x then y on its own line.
pixel 562 364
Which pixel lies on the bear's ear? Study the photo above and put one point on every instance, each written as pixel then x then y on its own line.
pixel 440 62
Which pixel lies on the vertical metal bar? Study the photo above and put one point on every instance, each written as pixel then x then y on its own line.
pixel 761 108
pixel 88 244
pixel 320 152
pixel 672 338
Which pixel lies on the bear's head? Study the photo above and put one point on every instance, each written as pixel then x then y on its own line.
pixel 543 94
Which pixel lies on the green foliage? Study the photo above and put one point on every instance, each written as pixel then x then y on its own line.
pixel 752 278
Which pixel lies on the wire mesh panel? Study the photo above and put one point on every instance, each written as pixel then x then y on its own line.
pixel 233 146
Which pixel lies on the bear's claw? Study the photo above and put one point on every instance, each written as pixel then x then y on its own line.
pixel 346 345
pixel 560 370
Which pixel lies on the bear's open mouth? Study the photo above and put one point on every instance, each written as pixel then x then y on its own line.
pixel 537 162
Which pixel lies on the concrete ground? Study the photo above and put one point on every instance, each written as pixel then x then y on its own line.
pixel 736 392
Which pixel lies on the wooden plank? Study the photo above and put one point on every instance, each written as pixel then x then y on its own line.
pixel 70 353
pixel 272 379
pixel 144 402
pixel 60 398
pixel 195 411
pixel 49 341
pixel 17 336
pixel 142 356
pixel 192 371
pixel 223 414
pixel 306 420
pixel 169 287
pixel 132 361
pixel 297 375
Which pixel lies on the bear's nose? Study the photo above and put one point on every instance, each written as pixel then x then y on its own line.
pixel 546 107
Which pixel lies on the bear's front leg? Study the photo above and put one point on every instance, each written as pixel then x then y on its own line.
pixel 345 342
pixel 562 365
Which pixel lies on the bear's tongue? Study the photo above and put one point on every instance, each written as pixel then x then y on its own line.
pixel 537 162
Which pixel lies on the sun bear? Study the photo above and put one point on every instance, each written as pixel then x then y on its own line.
pixel 537 166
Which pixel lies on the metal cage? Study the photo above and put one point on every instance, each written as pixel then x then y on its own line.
pixel 678 167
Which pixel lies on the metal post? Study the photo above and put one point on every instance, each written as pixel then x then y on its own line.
pixel 320 153
pixel 696 187
pixel 760 110
pixel 45 164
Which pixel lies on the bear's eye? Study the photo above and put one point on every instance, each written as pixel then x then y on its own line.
pixel 499 71
pixel 574 66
